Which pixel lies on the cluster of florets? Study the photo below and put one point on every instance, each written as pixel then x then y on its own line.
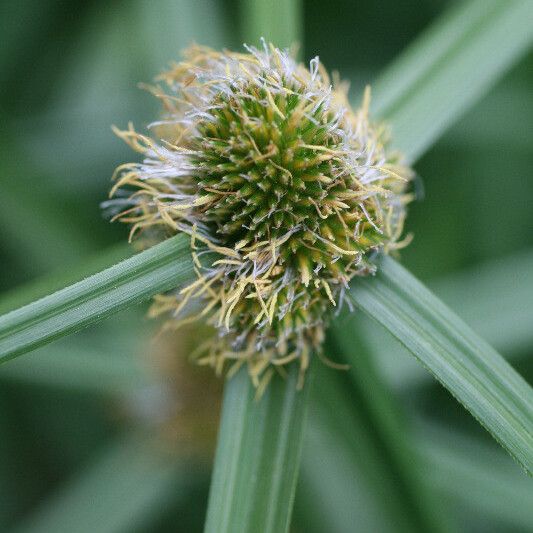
pixel 260 160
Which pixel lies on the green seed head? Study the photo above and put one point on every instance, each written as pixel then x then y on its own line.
pixel 260 160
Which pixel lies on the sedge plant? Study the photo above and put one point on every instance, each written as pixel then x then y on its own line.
pixel 285 198
pixel 260 161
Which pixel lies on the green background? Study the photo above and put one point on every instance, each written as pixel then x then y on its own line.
pixel 68 70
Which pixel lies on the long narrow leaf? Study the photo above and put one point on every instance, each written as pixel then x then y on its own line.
pixel 506 326
pixel 43 286
pixel 465 364
pixel 258 455
pixel 160 268
pixel 450 67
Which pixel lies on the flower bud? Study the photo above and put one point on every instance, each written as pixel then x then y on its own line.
pixel 262 161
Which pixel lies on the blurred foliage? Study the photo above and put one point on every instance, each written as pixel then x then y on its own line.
pixel 70 69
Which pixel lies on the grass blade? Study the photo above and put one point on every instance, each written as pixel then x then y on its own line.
pixel 466 365
pixel 506 326
pixel 45 285
pixel 258 455
pixel 160 268
pixel 449 67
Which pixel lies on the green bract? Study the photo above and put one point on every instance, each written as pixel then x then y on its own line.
pixel 262 161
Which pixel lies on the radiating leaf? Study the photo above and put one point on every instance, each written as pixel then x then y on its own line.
pixel 466 365
pixel 449 67
pixel 57 280
pixel 160 268
pixel 502 288
pixel 508 281
pixel 258 455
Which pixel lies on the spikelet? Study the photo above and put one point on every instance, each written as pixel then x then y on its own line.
pixel 260 160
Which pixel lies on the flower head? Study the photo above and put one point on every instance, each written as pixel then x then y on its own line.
pixel 262 161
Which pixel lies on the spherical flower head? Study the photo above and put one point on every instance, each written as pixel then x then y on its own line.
pixel 261 161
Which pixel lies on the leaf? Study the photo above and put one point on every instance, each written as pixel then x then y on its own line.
pixel 55 281
pixel 162 267
pixel 506 326
pixel 258 455
pixel 449 68
pixel 478 377
pixel 509 281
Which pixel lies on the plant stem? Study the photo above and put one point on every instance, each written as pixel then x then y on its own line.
pixel 278 21
pixel 258 455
